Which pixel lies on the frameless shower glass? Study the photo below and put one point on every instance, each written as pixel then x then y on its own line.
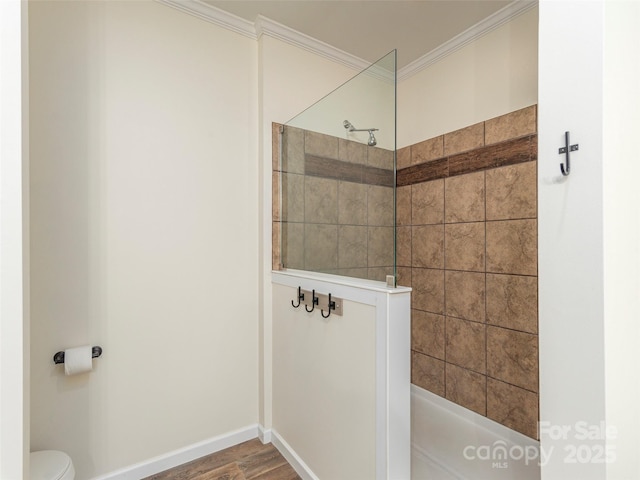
pixel 337 179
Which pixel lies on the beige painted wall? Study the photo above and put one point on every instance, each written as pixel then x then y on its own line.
pixel 291 79
pixel 494 75
pixel 325 368
pixel 145 230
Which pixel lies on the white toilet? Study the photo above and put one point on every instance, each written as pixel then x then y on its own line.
pixel 50 465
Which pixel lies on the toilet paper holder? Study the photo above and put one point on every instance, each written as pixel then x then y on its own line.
pixel 59 356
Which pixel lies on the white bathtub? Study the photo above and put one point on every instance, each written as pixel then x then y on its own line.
pixel 449 442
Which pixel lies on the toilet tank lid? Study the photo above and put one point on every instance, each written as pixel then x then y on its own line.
pixel 48 465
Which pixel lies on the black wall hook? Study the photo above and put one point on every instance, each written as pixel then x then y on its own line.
pixel 332 306
pixel 300 297
pixel 566 150
pixel 314 302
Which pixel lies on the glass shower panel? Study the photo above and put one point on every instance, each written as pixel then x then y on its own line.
pixel 337 179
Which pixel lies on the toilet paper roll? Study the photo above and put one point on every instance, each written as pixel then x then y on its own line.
pixel 77 360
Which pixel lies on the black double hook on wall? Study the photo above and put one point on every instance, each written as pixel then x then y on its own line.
pixel 300 298
pixel 565 168
pixel 332 306
pixel 314 301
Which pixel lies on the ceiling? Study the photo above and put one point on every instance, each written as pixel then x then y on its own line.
pixel 369 29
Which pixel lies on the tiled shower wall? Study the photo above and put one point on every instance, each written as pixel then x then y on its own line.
pixel 335 214
pixel 467 244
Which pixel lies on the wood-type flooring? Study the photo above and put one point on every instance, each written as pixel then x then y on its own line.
pixel 247 461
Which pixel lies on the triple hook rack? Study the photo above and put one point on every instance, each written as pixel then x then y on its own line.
pixel 311 299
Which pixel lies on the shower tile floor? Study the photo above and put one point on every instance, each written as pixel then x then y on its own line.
pixel 247 461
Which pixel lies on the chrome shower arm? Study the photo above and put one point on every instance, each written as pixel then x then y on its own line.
pixel 351 129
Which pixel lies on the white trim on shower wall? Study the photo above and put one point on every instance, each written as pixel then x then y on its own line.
pixel 453 441
pixel 271 28
pixel 183 455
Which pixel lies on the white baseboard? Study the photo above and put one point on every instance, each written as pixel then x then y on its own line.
pixel 207 447
pixel 292 457
pixel 184 455
pixel 264 434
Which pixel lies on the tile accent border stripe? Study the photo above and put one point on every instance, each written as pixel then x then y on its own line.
pixel 511 152
pixel 347 171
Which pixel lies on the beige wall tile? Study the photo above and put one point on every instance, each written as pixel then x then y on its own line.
pixel 379 205
pixel 512 302
pixel 465 295
pixel 403 205
pixel 465 344
pixel 275 146
pixel 352 246
pixel 352 152
pixel 464 197
pixel 428 290
pixel 403 157
pixel 380 158
pixel 292 197
pixel 512 125
pixel 427 150
pixel 513 357
pixel 293 150
pixel 512 192
pixel 513 407
pixel 380 246
pixel 427 333
pixel 320 145
pixel 465 246
pixel 293 245
pixel 379 273
pixel 466 388
pixel 276 235
pixel 320 200
pixel 512 247
pixel 320 247
pixel 427 202
pixel 352 203
pixel 404 276
pixel 353 272
pixel 428 373
pixel 489 227
pixel 403 246
pixel 427 243
pixel 275 196
pixel 464 139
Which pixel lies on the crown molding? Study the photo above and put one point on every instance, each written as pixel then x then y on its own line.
pixel 271 28
pixel 268 27
pixel 502 16
pixel 214 15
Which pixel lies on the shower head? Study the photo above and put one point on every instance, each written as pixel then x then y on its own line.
pixel 372 139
